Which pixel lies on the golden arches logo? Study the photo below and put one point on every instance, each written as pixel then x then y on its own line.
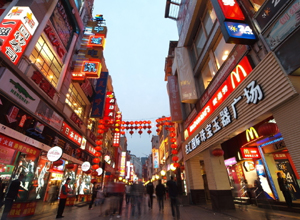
pixel 236 75
pixel 251 134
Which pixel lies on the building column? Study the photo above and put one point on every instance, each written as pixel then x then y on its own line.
pixel 218 182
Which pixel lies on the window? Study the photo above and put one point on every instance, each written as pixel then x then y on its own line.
pixel 209 20
pixel 46 62
pixel 200 41
pixel 207 75
pixel 222 51
pixel 75 101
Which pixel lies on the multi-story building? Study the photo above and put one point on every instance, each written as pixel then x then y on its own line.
pixel 43 101
pixel 236 67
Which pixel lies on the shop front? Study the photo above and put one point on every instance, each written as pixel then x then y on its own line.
pixel 247 98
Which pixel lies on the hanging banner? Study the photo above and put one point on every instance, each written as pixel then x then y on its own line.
pixel 109 110
pixel 174 98
pixel 155 158
pixel 98 104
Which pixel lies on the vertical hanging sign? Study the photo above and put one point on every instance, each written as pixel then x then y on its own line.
pixel 98 104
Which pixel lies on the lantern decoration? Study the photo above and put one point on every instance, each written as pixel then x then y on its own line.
pixel 70 166
pixel 173 140
pixel 217 152
pixel 140 132
pixel 99 142
pixel 131 132
pixel 175 158
pixel 58 163
pixel 97 154
pixel 96 160
pixel 268 129
pixel 95 173
pixel 100 131
pixel 172 134
pixel 95 166
pixel 149 132
pixel 135 125
pixel 174 152
pixel 174 146
pixel 98 148
pixel 176 165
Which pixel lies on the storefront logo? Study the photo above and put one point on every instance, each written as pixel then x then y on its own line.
pixel 236 74
pixel 21 89
pixel 251 134
pixel 54 154
pixel 85 166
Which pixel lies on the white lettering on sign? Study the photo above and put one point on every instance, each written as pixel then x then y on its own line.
pixel 229 2
pixel 54 154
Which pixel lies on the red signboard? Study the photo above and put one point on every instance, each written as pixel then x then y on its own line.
pixel 174 98
pixel 231 10
pixel 22 209
pixel 17 145
pixel 109 110
pixel 96 41
pixel 90 148
pixel 71 134
pixel 250 152
pixel 116 142
pixel 43 83
pixel 51 34
pixel 241 71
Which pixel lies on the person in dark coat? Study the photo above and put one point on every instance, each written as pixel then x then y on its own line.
pixel 150 191
pixel 160 191
pixel 11 195
pixel 284 189
pixel 173 192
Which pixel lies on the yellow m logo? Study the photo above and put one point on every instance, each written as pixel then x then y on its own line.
pixel 251 134
pixel 236 75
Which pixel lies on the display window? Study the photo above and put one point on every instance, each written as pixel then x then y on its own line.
pixel 75 101
pixel 46 61
pixel 70 172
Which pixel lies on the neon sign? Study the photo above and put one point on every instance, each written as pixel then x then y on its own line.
pixel 123 164
pixel 231 10
pixel 97 41
pixel 248 152
pixel 91 69
pixel 236 77
pixel 239 30
pixel 251 134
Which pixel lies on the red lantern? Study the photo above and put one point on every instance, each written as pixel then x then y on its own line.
pixel 268 129
pixel 95 166
pixel 173 140
pixel 98 148
pixel 58 163
pixel 172 134
pixel 217 152
pixel 149 131
pixel 70 166
pixel 99 142
pixel 174 151
pixel 172 129
pixel 95 173
pixel 96 160
pixel 122 132
pixel 100 131
pixel 140 132
pixel 131 132
pixel 173 146
pixel 101 126
pixel 100 137
pixel 175 158
pixel 157 130
pixel 101 121
pixel 88 172
pixel 176 165
pixel 97 154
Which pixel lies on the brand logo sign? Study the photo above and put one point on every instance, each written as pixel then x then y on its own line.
pixel 251 134
pixel 237 76
pixel 85 166
pixel 239 30
pixel 14 88
pixel 54 154
pixel 248 152
pixel 231 10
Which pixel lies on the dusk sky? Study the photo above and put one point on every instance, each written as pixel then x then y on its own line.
pixel 136 47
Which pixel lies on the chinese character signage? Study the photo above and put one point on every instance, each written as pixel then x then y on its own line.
pixel 98 104
pixel 43 83
pixel 96 28
pixel 71 134
pixel 241 71
pixel 250 152
pixel 233 22
pixel 155 156
pixel 174 98
pixel 122 164
pixel 91 69
pixel 16 31
pixel 97 41
pixel 116 141
pixel 109 110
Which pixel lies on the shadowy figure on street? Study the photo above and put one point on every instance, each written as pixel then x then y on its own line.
pixel 137 191
pixel 160 191
pixel 11 195
pixel 127 191
pixel 173 192
pixel 150 191
pixel 284 187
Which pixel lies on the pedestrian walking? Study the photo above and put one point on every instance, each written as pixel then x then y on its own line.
pixel 127 191
pixel 283 185
pixel 173 192
pixel 137 192
pixel 150 191
pixel 93 196
pixel 160 191
pixel 11 195
pixel 63 198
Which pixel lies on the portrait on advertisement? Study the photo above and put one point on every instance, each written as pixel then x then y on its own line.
pixel 70 172
pixel 42 175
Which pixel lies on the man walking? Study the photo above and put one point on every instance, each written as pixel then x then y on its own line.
pixel 160 193
pixel 284 189
pixel 12 194
pixel 63 198
pixel 150 191
pixel 173 192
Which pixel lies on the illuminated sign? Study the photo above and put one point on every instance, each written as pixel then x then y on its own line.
pixel 231 161
pixel 122 164
pixel 239 30
pixel 98 104
pixel 116 141
pixel 43 83
pixel 251 134
pixel 83 143
pixel 78 77
pixel 155 158
pixel 96 41
pixel 250 152
pixel 85 166
pixel 91 69
pixel 128 170
pixel 71 134
pixel 231 10
pixel 109 110
pixel 52 36
pixel 16 31
pixel 54 154
pixel 241 71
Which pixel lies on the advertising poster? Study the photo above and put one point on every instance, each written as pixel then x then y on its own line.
pixel 70 172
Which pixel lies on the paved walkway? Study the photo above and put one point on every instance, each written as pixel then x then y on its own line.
pixel 187 213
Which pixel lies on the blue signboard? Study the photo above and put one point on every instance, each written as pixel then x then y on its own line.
pixel 239 30
pixel 98 104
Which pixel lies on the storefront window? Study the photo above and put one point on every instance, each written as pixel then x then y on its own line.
pixel 206 75
pixel 209 20
pixel 75 101
pixel 222 51
pixel 46 62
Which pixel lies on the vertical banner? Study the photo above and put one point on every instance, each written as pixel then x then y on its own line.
pixel 110 105
pixel 123 164
pixel 174 98
pixel 98 104
pixel 155 158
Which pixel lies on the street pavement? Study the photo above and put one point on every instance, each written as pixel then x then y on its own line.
pixel 189 212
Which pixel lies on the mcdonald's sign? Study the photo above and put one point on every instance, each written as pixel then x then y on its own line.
pixel 250 152
pixel 251 134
